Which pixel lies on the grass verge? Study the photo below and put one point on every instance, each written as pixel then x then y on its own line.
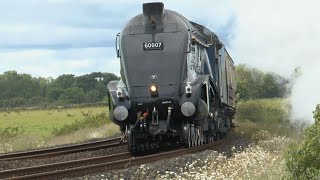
pixel 25 130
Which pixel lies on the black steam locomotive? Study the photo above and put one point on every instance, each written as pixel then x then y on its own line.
pixel 177 82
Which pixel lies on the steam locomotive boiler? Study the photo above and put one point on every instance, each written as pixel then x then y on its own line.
pixel 177 82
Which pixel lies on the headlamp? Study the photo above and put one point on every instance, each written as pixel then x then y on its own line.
pixel 154 89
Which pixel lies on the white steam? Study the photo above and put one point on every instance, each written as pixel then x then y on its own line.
pixel 278 36
pixel 306 95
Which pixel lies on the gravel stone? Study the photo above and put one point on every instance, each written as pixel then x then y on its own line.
pixel 4 165
pixel 158 169
pixel 155 170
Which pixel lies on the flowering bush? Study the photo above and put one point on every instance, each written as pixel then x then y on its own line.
pixel 303 161
pixel 263 159
pixel 5 147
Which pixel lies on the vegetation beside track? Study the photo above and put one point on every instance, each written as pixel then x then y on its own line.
pixel 266 123
pixel 302 158
pixel 21 130
pixel 274 110
pixel 261 160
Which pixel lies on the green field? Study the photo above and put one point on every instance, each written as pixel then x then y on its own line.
pixel 42 122
pixel 31 129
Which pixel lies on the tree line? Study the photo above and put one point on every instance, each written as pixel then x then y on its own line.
pixel 253 83
pixel 18 90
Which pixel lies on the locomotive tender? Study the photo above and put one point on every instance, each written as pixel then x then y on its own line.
pixel 177 82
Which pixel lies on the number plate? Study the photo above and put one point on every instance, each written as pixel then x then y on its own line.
pixel 152 46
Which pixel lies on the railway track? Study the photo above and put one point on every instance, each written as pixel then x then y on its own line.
pixel 79 167
pixel 50 152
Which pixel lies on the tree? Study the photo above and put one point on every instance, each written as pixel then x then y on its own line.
pixel 54 93
pixel 253 84
pixel 64 81
pixel 17 101
pixel 23 89
pixel 93 96
pixel 248 82
pixel 73 95
pixel 43 83
pixel 86 82
pixel 13 85
pixel 270 88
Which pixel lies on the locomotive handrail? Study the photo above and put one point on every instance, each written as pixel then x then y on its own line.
pixel 117 45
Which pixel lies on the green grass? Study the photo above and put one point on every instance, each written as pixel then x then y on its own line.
pixel 263 110
pixel 267 114
pixel 32 129
pixel 89 120
pixel 43 122
pixel 84 134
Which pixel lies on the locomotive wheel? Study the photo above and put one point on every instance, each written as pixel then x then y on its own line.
pixel 196 133
pixel 208 139
pixel 228 124
pixel 142 148
pixel 193 136
pixel 131 140
pixel 148 148
pixel 200 136
pixel 196 136
pixel 197 130
pixel 188 135
pixel 204 138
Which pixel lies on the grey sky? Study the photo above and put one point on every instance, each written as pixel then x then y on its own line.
pixel 53 37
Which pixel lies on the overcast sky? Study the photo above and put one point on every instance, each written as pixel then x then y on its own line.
pixel 54 37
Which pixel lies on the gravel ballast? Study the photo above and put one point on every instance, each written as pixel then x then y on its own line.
pixel 167 167
pixel 158 169
pixel 4 165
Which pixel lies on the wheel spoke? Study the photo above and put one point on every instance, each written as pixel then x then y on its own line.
pixel 193 136
pixel 201 134
pixel 189 136
pixel 198 136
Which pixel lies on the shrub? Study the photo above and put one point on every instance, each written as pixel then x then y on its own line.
pixel 10 132
pixel 263 110
pixel 88 121
pixel 303 161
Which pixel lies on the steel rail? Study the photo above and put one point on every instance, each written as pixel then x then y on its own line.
pixel 61 166
pixel 50 152
pixel 79 167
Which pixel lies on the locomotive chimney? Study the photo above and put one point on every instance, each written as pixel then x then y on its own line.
pixel 153 15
